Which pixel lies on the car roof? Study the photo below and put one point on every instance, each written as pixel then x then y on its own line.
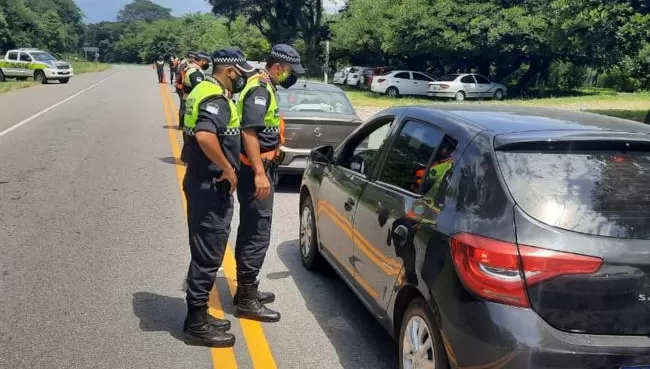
pixel 506 119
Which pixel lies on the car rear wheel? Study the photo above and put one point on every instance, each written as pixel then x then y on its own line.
pixel 2 76
pixel 309 253
pixel 392 92
pixel 460 96
pixel 420 343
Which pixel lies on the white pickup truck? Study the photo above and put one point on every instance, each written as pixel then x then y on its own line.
pixel 34 63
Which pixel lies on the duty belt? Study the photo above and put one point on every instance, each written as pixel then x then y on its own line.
pixel 267 157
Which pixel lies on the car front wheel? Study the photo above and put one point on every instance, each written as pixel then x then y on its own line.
pixel 309 253
pixel 420 343
pixel 498 94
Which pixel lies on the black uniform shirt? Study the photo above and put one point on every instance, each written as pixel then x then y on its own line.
pixel 214 116
pixel 256 103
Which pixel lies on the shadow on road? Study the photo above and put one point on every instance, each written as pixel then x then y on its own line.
pixel 171 160
pixel 159 313
pixel 340 314
pixel 170 127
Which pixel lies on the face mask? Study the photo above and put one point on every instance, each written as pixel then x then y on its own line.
pixel 238 83
pixel 289 81
pixel 205 66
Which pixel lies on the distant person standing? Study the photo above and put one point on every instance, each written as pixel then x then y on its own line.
pixel 159 65
pixel 173 67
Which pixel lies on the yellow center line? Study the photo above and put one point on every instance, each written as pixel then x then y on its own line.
pixel 258 346
pixel 223 358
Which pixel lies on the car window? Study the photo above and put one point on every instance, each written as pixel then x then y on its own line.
pixel 603 193
pixel 410 155
pixel 314 100
pixel 422 77
pixel 43 56
pixel 467 79
pixel 13 55
pixel 435 179
pixel 482 80
pixel 403 75
pixel 25 57
pixel 362 156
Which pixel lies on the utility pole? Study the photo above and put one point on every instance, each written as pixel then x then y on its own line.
pixel 326 67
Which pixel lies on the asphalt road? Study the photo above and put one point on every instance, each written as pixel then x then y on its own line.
pixel 93 245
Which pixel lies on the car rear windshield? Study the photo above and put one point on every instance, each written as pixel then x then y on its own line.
pixel 605 193
pixel 314 100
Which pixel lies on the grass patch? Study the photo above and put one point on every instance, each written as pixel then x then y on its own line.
pixel 634 106
pixel 88 67
pixel 7 86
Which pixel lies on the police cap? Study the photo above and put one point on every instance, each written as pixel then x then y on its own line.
pixel 232 56
pixel 202 56
pixel 287 54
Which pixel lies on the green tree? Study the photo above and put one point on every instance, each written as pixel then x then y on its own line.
pixel 143 10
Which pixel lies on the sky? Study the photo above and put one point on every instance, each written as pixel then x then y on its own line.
pixel 106 10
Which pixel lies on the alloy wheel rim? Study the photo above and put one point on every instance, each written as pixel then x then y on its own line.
pixel 417 345
pixel 305 231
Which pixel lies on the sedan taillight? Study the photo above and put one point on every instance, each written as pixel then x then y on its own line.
pixel 500 271
pixel 381 80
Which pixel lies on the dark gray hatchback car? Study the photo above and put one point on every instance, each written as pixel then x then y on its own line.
pixel 315 114
pixel 491 237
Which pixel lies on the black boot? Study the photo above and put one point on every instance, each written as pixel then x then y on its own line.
pixel 200 330
pixel 263 297
pixel 249 306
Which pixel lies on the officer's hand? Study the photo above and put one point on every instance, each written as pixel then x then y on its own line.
pixel 262 186
pixel 230 176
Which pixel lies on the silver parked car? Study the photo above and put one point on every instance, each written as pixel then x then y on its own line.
pixel 466 86
pixel 315 114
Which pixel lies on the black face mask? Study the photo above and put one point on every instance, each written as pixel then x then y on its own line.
pixel 290 81
pixel 238 83
pixel 205 66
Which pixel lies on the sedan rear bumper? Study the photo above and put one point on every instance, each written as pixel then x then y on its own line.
pixel 294 161
pixel 506 337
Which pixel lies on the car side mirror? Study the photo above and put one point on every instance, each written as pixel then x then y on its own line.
pixel 322 154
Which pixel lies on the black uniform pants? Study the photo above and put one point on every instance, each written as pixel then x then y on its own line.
pixel 181 109
pixel 209 212
pixel 161 75
pixel 172 73
pixel 254 233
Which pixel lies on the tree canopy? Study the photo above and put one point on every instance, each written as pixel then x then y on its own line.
pixel 143 10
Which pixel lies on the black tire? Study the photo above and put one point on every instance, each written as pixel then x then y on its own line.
pixel 39 76
pixel 2 76
pixel 498 94
pixel 64 80
pixel 309 254
pixel 459 96
pixel 420 311
pixel 392 92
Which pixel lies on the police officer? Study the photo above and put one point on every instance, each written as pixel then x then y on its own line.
pixel 258 107
pixel 212 150
pixel 160 69
pixel 192 76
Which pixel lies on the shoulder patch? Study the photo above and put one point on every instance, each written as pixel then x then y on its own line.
pixel 199 79
pixel 260 100
pixel 212 108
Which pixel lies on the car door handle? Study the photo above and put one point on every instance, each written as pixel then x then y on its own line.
pixel 349 204
pixel 400 234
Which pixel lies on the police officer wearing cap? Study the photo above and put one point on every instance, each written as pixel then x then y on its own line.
pixel 199 62
pixel 258 107
pixel 212 152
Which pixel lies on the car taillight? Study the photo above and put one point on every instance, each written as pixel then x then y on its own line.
pixel 500 271
pixel 381 80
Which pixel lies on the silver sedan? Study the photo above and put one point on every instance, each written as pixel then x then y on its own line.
pixel 466 86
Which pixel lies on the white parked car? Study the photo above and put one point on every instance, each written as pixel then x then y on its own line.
pixel 341 76
pixel 402 82
pixel 355 76
pixel 466 86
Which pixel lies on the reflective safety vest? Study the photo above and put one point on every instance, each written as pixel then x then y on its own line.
pixel 203 91
pixel 273 121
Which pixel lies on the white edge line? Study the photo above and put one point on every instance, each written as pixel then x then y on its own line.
pixel 25 121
